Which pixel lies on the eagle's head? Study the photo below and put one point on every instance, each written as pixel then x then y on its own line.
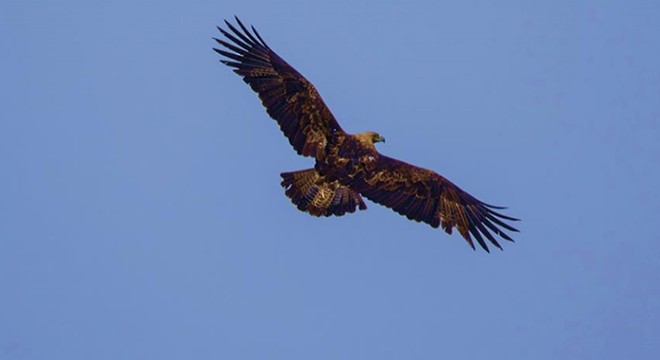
pixel 375 137
pixel 369 138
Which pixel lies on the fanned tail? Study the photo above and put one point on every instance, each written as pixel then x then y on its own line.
pixel 311 193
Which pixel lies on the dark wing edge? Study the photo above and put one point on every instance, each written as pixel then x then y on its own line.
pixel 287 96
pixel 423 195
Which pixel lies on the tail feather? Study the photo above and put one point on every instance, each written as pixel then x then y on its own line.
pixel 311 193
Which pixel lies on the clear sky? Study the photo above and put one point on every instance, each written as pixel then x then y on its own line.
pixel 141 215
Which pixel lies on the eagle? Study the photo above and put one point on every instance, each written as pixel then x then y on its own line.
pixel 347 166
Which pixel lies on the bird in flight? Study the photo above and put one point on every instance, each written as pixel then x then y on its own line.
pixel 347 166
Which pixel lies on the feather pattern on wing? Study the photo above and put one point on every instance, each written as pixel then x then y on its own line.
pixel 288 97
pixel 425 196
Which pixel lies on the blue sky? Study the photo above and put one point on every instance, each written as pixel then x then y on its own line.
pixel 141 214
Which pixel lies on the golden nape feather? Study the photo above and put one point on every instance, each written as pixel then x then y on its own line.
pixel 348 166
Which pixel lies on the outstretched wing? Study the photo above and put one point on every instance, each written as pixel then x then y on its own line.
pixel 423 195
pixel 288 97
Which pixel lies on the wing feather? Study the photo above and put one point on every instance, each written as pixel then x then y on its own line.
pixel 288 97
pixel 425 196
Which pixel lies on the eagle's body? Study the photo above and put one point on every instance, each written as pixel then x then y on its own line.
pixel 348 166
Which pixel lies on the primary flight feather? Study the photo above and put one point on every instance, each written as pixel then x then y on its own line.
pixel 348 166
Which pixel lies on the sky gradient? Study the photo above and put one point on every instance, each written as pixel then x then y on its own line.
pixel 141 214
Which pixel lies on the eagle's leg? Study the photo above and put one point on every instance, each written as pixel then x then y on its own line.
pixel 311 193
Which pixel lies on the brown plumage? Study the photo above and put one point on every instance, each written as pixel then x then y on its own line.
pixel 348 166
